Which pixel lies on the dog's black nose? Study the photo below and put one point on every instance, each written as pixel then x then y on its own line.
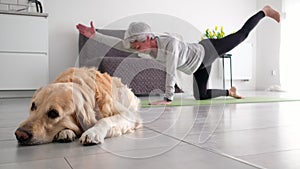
pixel 23 135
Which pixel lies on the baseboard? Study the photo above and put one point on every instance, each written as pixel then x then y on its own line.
pixel 5 94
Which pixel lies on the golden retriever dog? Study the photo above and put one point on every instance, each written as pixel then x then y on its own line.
pixel 81 102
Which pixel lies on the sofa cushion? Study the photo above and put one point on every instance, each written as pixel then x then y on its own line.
pixel 144 76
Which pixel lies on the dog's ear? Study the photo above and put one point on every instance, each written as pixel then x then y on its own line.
pixel 85 116
pixel 104 95
pixel 84 108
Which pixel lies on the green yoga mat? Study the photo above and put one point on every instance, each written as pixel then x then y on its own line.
pixel 192 102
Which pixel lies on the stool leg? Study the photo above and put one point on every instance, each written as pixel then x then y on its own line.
pixel 230 72
pixel 223 64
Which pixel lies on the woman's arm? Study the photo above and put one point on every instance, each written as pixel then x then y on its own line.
pixel 171 55
pixel 90 32
pixel 86 31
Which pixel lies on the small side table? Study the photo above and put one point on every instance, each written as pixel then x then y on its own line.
pixel 224 56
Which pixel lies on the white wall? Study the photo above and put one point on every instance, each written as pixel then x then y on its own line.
pixel 64 15
pixel 268 49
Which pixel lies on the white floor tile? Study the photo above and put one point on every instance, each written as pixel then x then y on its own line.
pixel 264 134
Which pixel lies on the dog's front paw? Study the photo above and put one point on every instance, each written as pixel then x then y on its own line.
pixel 65 136
pixel 92 136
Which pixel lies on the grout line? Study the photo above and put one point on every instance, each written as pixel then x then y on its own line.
pixel 163 133
pixel 33 160
pixel 227 156
pixel 273 152
pixel 68 162
pixel 7 140
pixel 210 150
pixel 247 129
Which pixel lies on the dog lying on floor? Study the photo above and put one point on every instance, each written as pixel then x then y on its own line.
pixel 81 102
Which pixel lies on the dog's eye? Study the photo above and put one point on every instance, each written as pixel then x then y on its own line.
pixel 53 114
pixel 33 106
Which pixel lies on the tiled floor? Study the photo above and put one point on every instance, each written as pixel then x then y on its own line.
pixel 261 135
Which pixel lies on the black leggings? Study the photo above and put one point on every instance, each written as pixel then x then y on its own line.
pixel 220 46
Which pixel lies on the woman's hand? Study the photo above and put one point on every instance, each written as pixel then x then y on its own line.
pixel 160 102
pixel 86 31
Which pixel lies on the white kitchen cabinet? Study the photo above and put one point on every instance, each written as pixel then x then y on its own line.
pixel 23 52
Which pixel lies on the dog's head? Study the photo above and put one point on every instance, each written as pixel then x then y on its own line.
pixel 54 108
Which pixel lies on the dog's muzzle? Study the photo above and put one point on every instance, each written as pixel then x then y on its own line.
pixel 23 136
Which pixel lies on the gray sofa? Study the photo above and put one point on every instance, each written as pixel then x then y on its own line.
pixel 143 76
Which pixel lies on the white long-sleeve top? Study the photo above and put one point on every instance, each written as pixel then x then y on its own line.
pixel 178 55
pixel 172 52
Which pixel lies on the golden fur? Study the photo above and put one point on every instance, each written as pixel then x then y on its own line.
pixel 80 102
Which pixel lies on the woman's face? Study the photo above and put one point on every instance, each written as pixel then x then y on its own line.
pixel 144 46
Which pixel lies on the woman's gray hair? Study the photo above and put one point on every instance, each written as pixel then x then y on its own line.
pixel 137 31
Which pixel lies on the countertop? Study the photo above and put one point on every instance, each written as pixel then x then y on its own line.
pixel 11 12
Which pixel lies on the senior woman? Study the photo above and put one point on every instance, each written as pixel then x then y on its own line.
pixel 190 58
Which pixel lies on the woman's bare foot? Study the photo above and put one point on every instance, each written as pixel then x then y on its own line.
pixel 272 13
pixel 233 93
